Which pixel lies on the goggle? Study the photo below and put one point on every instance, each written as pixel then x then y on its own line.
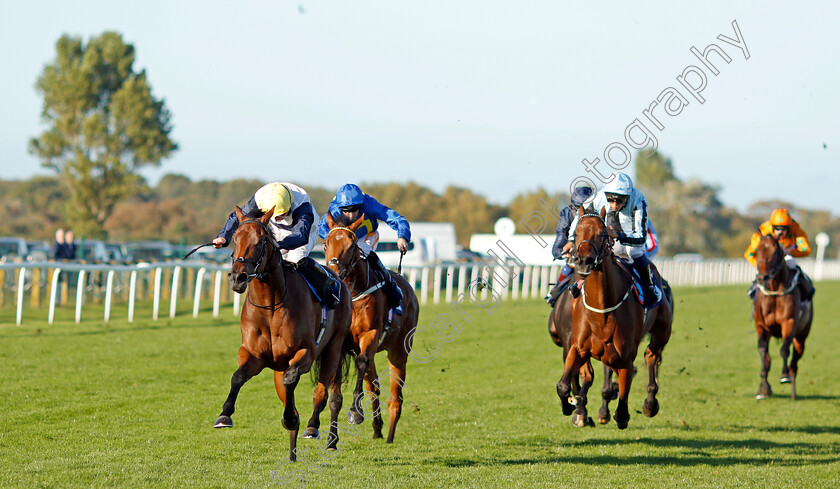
pixel 780 228
pixel 350 208
pixel 619 199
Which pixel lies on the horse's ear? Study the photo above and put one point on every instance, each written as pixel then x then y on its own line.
pixel 330 220
pixel 267 216
pixel 603 212
pixel 581 212
pixel 358 223
pixel 240 216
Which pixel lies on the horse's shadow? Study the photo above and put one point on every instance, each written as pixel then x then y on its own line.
pixel 694 452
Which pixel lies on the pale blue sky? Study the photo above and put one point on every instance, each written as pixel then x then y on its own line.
pixel 501 97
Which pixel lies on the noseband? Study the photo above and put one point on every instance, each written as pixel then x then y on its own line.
pixel 265 238
pixel 602 249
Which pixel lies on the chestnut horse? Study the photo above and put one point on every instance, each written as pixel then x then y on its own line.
pixel 608 324
pixel 280 326
pixel 779 312
pixel 370 331
pixel 560 330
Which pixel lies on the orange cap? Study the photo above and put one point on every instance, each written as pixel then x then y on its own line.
pixel 780 217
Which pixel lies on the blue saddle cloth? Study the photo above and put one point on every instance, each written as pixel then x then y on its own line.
pixel 335 286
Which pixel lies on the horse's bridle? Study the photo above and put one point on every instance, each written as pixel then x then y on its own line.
pixel 601 250
pixel 357 254
pixel 767 277
pixel 264 240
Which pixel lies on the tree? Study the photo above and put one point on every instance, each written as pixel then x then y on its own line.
pixel 653 170
pixel 104 125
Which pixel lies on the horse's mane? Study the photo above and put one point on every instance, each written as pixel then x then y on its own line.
pixel 342 220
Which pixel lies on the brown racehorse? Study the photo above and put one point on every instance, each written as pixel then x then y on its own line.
pixel 560 330
pixel 280 326
pixel 779 312
pixel 609 325
pixel 369 330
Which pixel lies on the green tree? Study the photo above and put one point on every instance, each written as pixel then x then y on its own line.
pixel 104 125
pixel 653 170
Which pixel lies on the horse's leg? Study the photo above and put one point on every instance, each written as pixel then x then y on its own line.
pixel 581 417
pixel 330 358
pixel 367 349
pixel 290 419
pixel 608 392
pixel 788 326
pixel 802 331
pixel 764 390
pixel 397 360
pixel 622 412
pixel 372 390
pixel 660 333
pixel 249 366
pixel 574 360
pixel 336 400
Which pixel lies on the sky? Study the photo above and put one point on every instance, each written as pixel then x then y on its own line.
pixel 499 97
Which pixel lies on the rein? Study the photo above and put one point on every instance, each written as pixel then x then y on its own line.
pixel 602 252
pixel 357 257
pixel 772 273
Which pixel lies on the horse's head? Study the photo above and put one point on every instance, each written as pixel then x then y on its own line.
pixel 341 247
pixel 592 243
pixel 769 259
pixel 253 250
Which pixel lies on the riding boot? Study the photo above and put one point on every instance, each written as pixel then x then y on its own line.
pixel 806 286
pixel 552 296
pixel 392 290
pixel 325 284
pixel 642 266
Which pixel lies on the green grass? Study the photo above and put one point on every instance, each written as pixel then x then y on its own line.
pixel 122 405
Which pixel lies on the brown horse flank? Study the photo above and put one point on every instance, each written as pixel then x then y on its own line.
pixel 370 330
pixel 560 330
pixel 779 312
pixel 280 325
pixel 608 324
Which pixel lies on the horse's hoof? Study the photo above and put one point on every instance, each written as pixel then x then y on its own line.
pixel 310 433
pixel 223 422
pixel 760 396
pixel 785 379
pixel 377 435
pixel 573 400
pixel 581 420
pixel 652 409
pixel 621 423
pixel 355 417
pixel 604 416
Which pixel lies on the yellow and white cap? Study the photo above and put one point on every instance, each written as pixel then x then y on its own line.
pixel 274 195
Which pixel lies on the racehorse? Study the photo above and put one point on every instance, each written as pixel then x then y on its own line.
pixel 560 330
pixel 608 324
pixel 371 330
pixel 281 330
pixel 779 312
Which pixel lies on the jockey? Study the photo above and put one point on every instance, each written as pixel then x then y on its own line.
pixel 560 250
pixel 292 227
pixel 793 241
pixel 350 203
pixel 627 223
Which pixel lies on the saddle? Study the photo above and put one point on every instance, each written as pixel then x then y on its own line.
pixel 630 271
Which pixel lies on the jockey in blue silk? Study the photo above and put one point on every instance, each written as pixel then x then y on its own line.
pixel 292 225
pixel 627 223
pixel 348 205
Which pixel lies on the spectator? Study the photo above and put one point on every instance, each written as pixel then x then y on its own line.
pixel 58 248
pixel 69 246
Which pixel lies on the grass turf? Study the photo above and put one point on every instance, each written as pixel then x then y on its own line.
pixel 131 405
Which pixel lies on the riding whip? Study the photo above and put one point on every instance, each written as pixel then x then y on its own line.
pixel 197 248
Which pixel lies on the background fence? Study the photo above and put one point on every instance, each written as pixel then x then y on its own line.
pixel 46 285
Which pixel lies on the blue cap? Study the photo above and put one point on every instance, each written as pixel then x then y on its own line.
pixel 581 195
pixel 349 194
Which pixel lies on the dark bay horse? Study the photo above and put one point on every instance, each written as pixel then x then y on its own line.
pixel 280 326
pixel 608 324
pixel 560 330
pixel 369 330
pixel 779 312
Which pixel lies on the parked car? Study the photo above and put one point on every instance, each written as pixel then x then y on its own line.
pixel 151 251
pixel 39 250
pixel 13 249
